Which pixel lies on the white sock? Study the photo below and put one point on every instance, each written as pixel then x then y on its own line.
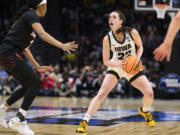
pixel 23 112
pixel 3 107
pixel 145 108
pixel 87 117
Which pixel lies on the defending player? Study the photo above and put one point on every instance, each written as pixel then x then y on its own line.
pixel 164 50
pixel 17 40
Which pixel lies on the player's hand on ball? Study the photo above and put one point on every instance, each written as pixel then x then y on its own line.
pixel 70 46
pixel 44 68
pixel 121 64
pixel 162 51
pixel 132 65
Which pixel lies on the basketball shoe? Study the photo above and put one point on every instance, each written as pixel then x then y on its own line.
pixel 83 125
pixel 2 120
pixel 148 117
pixel 20 127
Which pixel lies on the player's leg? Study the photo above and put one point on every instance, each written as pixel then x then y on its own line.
pixel 9 63
pixel 31 84
pixel 142 84
pixel 108 84
pixel 3 107
pixel 12 99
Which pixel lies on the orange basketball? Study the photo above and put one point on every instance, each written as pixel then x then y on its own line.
pixel 132 65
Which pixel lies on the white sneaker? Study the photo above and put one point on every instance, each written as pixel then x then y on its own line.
pixel 21 127
pixel 2 120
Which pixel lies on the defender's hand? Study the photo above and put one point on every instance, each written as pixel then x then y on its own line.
pixel 162 51
pixel 70 46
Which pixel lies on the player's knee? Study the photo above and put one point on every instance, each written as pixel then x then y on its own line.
pixel 37 83
pixel 102 94
pixel 150 94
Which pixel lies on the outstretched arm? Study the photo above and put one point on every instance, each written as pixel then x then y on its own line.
pixel 71 46
pixel 164 50
pixel 172 30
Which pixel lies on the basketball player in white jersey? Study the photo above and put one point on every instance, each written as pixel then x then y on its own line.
pixel 122 41
pixel 164 50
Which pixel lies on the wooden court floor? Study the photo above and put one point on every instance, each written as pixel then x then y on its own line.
pixel 167 111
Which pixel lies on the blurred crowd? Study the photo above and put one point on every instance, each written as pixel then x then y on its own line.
pixel 86 21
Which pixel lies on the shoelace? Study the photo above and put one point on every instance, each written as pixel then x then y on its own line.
pixel 24 124
pixel 149 116
pixel 83 124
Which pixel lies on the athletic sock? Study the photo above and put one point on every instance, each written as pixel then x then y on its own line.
pixel 21 114
pixel 145 109
pixel 87 117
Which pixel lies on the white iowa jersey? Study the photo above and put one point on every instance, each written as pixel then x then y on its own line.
pixel 124 49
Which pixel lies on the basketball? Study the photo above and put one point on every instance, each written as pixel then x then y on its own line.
pixel 132 65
